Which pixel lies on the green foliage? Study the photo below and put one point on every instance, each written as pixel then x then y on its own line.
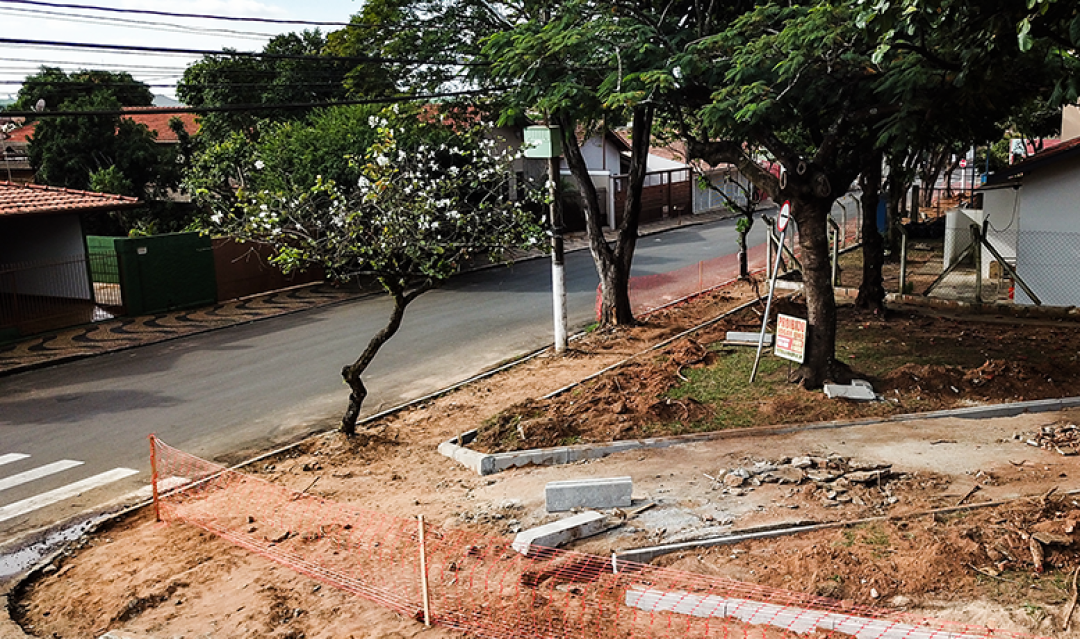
pixel 426 199
pixel 58 87
pixel 226 79
pixel 286 155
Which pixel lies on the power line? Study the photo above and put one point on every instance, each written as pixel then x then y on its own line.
pixel 248 107
pixel 131 24
pixel 244 54
pixel 177 15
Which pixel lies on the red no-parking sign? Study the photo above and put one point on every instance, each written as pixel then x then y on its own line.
pixel 784 218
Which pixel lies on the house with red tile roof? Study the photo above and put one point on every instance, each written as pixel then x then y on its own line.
pixel 45 280
pixel 15 162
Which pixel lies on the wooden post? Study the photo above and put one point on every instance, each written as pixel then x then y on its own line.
pixel 154 477
pixel 423 573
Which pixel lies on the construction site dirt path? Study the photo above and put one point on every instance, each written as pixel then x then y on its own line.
pixel 141 579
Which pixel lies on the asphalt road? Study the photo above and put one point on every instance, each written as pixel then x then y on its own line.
pixel 227 394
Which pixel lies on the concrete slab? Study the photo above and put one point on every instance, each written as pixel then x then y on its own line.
pixel 604 492
pixel 560 532
pixel 738 338
pixel 857 392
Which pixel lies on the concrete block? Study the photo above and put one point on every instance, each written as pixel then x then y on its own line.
pixel 751 339
pixel 560 532
pixel 608 492
pixel 856 392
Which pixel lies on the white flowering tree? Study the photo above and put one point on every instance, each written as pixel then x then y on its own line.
pixel 429 198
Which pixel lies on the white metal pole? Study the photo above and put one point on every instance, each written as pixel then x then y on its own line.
pixel 558 262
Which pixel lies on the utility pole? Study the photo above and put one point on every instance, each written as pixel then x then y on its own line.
pixel 558 263
pixel 544 142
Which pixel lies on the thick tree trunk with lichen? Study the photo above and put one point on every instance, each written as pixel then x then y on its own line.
pixel 819 365
pixel 353 372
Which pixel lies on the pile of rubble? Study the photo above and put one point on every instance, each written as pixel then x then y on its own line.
pixel 836 479
pixel 1062 439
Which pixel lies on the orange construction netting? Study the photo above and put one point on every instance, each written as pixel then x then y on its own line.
pixel 484 586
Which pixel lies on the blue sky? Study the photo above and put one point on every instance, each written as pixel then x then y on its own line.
pixel 42 22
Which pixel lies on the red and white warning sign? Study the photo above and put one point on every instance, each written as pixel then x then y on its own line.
pixel 791 338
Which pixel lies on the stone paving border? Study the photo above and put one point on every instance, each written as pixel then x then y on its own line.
pixel 131 332
pixel 491 463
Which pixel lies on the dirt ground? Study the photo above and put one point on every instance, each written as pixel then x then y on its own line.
pixel 138 578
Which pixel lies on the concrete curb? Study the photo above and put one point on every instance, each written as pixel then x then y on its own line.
pixel 491 463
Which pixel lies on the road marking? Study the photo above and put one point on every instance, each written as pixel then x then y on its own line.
pixel 64 492
pixel 11 457
pixel 38 473
pixel 164 486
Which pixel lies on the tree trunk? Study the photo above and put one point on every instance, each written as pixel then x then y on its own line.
pixel 352 373
pixel 744 264
pixel 872 289
pixel 612 265
pixel 820 364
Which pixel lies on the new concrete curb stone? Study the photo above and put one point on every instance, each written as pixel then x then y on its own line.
pixel 600 492
pixel 560 532
pixel 491 463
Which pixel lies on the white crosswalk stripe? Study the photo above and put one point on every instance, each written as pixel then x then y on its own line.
pixel 56 495
pixel 11 457
pixel 38 473
pixel 64 492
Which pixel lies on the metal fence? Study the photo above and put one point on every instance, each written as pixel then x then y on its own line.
pixel 42 295
pixel 982 264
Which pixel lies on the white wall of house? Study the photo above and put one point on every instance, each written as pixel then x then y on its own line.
pixel 43 240
pixel 1001 207
pixel 599 155
pixel 1048 249
pixel 726 180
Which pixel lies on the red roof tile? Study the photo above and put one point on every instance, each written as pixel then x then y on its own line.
pixel 32 199
pixel 160 122
pixel 154 121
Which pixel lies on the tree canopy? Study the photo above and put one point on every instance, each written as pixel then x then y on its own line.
pixel 56 88
pixel 293 76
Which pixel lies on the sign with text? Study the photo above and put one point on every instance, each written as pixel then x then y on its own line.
pixel 791 338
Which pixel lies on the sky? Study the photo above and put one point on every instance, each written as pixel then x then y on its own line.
pixel 37 20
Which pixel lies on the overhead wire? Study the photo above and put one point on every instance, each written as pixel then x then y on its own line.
pixel 168 14
pixel 132 24
pixel 127 48
pixel 252 107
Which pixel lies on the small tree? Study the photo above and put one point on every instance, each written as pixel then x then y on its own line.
pixel 428 199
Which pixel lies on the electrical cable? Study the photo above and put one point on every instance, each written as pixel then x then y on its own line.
pixel 250 107
pixel 36 14
pixel 243 54
pixel 167 14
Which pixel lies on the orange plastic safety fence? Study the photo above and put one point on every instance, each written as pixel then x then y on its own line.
pixel 650 292
pixel 484 586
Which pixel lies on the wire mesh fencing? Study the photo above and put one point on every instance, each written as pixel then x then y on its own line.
pixel 651 292
pixel 981 264
pixel 489 586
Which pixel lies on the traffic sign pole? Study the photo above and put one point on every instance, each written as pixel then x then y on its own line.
pixel 781 225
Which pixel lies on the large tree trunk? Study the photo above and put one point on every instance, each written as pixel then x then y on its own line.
pixel 819 366
pixel 353 372
pixel 872 289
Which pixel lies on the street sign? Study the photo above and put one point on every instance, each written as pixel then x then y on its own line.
pixel 963 163
pixel 785 216
pixel 791 338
